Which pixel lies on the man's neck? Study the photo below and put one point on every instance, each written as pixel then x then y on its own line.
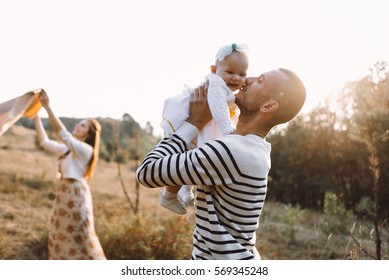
pixel 251 127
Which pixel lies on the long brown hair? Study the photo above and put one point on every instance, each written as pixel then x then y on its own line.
pixel 93 139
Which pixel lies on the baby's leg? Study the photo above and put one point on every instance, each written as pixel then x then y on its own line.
pixel 169 200
pixel 186 196
pixel 172 189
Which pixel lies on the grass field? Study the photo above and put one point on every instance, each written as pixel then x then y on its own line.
pixel 27 189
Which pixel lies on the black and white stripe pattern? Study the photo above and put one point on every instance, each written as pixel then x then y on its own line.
pixel 231 175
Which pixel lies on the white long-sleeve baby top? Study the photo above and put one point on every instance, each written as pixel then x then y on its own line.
pixel 220 100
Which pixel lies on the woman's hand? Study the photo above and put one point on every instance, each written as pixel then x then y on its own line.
pixel 44 98
pixel 199 113
pixel 56 124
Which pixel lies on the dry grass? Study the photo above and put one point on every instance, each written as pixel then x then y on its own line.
pixel 27 189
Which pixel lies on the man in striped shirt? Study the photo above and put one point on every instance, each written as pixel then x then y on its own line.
pixel 230 172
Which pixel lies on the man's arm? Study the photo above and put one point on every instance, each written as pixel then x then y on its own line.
pixel 199 113
pixel 171 164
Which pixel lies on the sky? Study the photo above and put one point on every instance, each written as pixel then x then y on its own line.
pixel 104 58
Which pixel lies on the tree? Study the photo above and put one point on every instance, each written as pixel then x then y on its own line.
pixel 149 129
pixel 369 108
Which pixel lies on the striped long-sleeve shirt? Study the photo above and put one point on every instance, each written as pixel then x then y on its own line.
pixel 231 175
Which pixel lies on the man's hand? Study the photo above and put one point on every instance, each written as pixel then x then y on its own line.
pixel 199 113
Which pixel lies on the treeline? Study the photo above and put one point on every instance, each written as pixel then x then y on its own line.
pixel 341 147
pixel 121 140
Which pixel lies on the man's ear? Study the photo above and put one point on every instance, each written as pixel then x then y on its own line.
pixel 270 106
pixel 213 69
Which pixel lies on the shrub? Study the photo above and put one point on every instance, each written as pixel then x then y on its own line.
pixel 292 218
pixel 335 214
pixel 144 238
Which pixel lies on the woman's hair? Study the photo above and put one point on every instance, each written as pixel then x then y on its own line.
pixel 93 139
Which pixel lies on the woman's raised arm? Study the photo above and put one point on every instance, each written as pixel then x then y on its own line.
pixel 56 124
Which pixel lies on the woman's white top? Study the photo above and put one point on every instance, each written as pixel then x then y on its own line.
pixel 74 164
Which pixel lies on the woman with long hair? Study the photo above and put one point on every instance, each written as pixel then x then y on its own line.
pixel 72 233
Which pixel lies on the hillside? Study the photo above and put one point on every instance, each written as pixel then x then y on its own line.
pixel 27 188
pixel 126 135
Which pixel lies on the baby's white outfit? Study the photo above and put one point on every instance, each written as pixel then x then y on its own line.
pixel 221 102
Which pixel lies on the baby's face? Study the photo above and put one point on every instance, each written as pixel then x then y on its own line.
pixel 233 70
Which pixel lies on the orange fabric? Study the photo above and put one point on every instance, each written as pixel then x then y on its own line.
pixel 34 107
pixel 12 110
pixel 232 112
